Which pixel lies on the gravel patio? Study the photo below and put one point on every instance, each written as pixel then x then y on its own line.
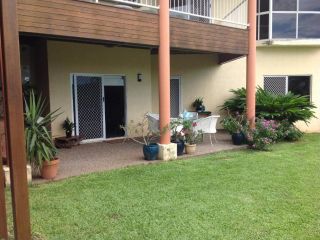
pixel 102 156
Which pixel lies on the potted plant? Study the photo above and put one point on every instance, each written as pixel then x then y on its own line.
pixel 236 126
pixel 68 127
pixel 177 135
pixel 192 136
pixel 198 104
pixel 41 152
pixel 140 133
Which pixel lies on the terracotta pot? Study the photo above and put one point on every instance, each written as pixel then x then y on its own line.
pixel 49 169
pixel 190 148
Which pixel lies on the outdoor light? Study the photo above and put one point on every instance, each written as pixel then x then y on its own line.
pixel 139 77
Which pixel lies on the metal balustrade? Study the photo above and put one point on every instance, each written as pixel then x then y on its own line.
pixel 222 12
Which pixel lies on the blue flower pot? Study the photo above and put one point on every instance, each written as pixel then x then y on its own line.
pixel 245 139
pixel 200 108
pixel 151 151
pixel 237 138
pixel 180 147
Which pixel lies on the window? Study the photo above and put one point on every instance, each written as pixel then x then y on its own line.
pixel 299 85
pixel 264 27
pixel 308 26
pixel 284 25
pixel 288 19
pixel 264 5
pixel 309 5
pixel 284 5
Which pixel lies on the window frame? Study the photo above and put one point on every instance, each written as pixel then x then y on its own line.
pixel 287 81
pixel 271 12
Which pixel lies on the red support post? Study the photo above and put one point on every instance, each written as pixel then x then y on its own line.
pixel 251 63
pixel 164 71
pixel 14 120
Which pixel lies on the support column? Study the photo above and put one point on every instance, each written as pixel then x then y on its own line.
pixel 251 63
pixel 167 150
pixel 14 120
pixel 164 70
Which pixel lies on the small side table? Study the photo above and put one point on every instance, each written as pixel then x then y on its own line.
pixel 67 142
pixel 204 114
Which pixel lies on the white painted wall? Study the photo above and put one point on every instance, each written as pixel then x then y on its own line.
pixel 65 58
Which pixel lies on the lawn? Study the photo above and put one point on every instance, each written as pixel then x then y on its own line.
pixel 229 195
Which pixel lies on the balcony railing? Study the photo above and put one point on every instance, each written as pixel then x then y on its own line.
pixel 223 12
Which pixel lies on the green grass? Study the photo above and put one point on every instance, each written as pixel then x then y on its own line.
pixel 229 195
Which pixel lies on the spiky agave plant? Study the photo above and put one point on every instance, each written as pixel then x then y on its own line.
pixel 39 144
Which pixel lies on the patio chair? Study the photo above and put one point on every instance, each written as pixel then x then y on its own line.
pixel 153 122
pixel 208 126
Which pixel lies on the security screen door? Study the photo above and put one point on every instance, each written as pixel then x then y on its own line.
pixel 174 97
pixel 88 106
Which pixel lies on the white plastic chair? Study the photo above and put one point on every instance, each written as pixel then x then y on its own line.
pixel 153 122
pixel 207 125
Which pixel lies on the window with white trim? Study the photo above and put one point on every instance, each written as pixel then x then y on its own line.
pixel 299 85
pixel 288 19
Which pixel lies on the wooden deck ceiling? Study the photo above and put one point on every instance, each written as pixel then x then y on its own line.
pixel 88 21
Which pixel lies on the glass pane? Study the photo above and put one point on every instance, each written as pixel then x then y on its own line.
pixel 284 25
pixel 257 28
pixel 174 97
pixel 284 5
pixel 299 85
pixel 264 5
pixel 264 26
pixel 308 27
pixel 309 5
pixel 276 85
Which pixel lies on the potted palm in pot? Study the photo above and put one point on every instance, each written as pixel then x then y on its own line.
pixel 140 133
pixel 41 152
pixel 198 105
pixel 177 135
pixel 235 126
pixel 192 136
pixel 68 127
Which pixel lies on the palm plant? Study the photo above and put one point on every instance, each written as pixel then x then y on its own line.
pixel 68 127
pixel 270 106
pixel 39 144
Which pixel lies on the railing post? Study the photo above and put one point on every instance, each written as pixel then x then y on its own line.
pixel 14 121
pixel 251 64
pixel 164 70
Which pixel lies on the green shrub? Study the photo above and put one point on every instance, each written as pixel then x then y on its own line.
pixel 270 106
pixel 288 132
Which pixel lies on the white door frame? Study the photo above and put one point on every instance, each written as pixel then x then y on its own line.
pixel 74 102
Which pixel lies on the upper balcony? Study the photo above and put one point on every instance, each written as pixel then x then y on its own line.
pixel 231 13
pixel 203 26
